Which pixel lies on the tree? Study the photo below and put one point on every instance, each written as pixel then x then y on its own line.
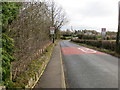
pixel 58 16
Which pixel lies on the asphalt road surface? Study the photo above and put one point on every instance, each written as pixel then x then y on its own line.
pixel 88 68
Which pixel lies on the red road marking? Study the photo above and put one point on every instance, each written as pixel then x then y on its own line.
pixel 80 50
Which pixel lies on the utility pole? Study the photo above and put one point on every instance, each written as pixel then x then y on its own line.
pixel 118 33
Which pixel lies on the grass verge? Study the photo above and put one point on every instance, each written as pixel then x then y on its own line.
pixel 113 53
pixel 35 70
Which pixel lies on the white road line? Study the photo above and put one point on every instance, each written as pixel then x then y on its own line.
pixel 87 50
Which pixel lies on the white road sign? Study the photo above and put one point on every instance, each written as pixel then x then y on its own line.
pixel 103 32
pixel 52 30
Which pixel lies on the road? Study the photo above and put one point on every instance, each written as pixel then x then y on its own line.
pixel 88 68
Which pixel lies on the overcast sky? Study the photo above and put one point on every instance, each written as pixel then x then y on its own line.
pixel 91 14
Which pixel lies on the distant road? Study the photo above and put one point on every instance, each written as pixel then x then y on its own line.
pixel 88 68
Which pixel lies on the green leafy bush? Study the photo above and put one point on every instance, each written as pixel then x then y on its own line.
pixel 7 58
pixel 9 13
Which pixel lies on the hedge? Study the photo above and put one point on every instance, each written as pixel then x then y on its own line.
pixel 9 13
pixel 87 37
pixel 110 45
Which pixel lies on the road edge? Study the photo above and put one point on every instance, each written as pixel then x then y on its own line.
pixel 62 71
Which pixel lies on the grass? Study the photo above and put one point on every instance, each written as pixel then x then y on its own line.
pixel 113 53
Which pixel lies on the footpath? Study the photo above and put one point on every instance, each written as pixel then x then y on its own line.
pixel 53 76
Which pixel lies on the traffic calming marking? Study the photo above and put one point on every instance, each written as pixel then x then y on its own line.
pixel 79 51
pixel 87 50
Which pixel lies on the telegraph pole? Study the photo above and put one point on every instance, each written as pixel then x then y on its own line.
pixel 118 33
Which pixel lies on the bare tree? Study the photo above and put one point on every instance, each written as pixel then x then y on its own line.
pixel 58 16
pixel 31 34
pixel 30 31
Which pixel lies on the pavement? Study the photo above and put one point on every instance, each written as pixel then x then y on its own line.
pixel 53 76
pixel 88 68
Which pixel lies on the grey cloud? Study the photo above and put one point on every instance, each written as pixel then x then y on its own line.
pixel 96 9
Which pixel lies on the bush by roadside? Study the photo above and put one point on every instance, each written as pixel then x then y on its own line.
pixel 9 13
pixel 65 37
pixel 98 43
pixel 88 37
